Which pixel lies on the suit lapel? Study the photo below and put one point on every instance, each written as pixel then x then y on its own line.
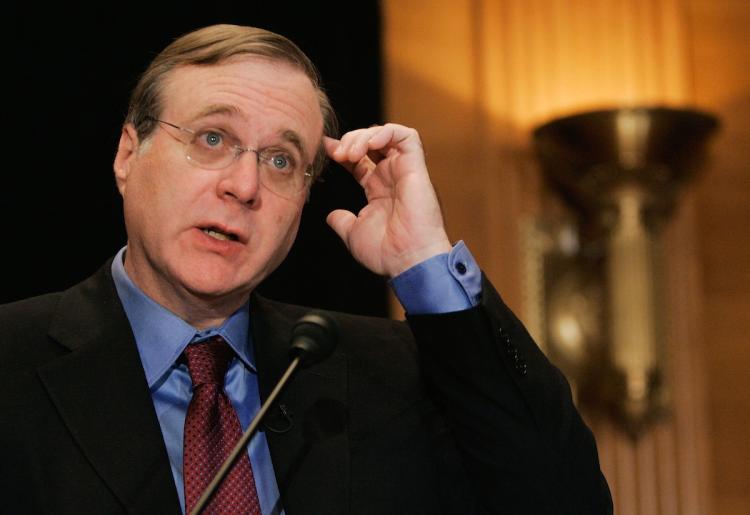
pixel 101 393
pixel 311 459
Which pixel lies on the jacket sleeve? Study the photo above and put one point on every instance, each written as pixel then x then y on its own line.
pixel 522 441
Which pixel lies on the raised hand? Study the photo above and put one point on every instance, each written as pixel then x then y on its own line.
pixel 401 225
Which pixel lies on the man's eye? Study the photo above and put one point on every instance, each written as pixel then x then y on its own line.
pixel 280 161
pixel 211 138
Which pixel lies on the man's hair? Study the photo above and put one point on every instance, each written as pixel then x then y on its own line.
pixel 210 46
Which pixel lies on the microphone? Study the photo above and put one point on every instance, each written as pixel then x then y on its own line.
pixel 314 337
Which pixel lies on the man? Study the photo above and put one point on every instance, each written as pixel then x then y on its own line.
pixel 101 399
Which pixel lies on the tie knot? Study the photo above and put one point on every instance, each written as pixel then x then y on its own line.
pixel 208 361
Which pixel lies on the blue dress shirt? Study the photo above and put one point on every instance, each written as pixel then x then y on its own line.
pixel 443 283
pixel 161 337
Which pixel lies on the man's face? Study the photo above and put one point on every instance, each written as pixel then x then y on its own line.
pixel 170 204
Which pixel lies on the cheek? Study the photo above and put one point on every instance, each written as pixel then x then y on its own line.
pixel 286 223
pixel 151 202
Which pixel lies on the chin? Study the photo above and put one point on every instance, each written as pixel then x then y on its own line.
pixel 214 282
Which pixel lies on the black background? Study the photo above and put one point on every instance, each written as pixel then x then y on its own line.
pixel 67 74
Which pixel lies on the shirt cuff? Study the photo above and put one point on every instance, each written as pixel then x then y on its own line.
pixel 442 284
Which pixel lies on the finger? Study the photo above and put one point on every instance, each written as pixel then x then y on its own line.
pixel 339 150
pixel 333 148
pixel 341 221
pixel 376 142
pixel 357 169
pixel 394 135
pixel 360 170
pixel 330 145
pixel 354 144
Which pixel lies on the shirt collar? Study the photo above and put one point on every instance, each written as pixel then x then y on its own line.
pixel 161 336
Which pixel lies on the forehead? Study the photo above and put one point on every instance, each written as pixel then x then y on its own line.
pixel 263 96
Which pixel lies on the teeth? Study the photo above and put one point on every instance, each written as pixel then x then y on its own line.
pixel 216 234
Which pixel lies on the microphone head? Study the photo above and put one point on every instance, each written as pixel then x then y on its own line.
pixel 314 337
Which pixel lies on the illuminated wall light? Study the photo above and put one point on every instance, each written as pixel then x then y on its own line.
pixel 619 171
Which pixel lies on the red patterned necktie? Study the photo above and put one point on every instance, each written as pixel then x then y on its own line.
pixel 212 429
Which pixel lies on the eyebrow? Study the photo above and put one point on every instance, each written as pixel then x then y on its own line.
pixel 218 109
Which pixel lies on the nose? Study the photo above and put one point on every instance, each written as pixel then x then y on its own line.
pixel 241 179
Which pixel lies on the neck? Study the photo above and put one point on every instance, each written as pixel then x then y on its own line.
pixel 201 311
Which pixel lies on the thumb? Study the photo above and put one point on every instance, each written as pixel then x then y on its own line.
pixel 341 221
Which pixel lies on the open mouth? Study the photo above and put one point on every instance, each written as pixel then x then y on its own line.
pixel 219 235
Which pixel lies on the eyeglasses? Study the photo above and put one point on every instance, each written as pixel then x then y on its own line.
pixel 215 149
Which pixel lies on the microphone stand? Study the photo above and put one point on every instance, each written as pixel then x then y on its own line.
pixel 240 447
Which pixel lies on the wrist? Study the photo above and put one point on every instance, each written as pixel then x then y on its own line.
pixel 413 257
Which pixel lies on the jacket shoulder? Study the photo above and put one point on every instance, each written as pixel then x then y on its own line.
pixel 27 310
pixel 23 331
pixel 26 326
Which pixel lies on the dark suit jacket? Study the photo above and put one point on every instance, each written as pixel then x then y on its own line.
pixel 464 416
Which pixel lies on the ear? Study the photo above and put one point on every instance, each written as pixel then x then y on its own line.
pixel 127 153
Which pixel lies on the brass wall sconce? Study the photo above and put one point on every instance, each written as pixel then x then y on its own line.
pixel 598 294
